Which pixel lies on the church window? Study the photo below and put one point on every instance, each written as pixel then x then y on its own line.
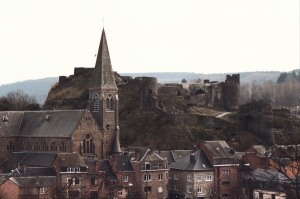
pixel 53 147
pixel 62 146
pixel 110 106
pixel 96 102
pixel 88 144
pixel 28 146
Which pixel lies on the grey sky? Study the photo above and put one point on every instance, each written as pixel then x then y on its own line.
pixel 49 38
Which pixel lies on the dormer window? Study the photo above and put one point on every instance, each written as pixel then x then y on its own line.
pixel 5 118
pixel 147 166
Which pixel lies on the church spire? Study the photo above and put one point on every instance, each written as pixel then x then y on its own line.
pixel 103 75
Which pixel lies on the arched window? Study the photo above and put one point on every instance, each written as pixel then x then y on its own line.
pixel 62 146
pixel 110 105
pixel 88 144
pixel 28 146
pixel 53 147
pixel 96 102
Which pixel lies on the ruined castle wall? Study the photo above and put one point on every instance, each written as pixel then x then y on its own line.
pixel 149 93
pixel 231 92
pixel 257 117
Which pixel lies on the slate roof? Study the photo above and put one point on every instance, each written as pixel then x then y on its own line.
pixel 26 182
pixel 123 163
pixel 174 155
pixel 42 159
pixel 103 75
pixel 34 171
pixel 10 127
pixel 220 150
pixel 58 123
pixel 70 160
pixel 195 161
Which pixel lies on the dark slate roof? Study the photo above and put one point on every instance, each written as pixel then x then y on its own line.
pixel 123 163
pixel 34 171
pixel 42 159
pixel 10 127
pixel 195 161
pixel 70 160
pixel 58 124
pixel 105 166
pixel 48 181
pixel 166 154
pixel 179 154
pixel 40 123
pixel 218 149
pixel 174 155
pixel 142 152
pixel 103 75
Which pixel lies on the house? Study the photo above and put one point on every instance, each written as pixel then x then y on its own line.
pixel 191 177
pixel 30 182
pixel 225 161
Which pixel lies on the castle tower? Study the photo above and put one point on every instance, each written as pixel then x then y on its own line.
pixel 103 98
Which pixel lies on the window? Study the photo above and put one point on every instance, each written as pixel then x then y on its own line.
pixel 42 190
pixel 125 178
pixel 147 178
pixel 175 176
pixel 189 178
pixel 226 172
pixel 199 178
pixel 120 193
pixel 175 187
pixel 76 181
pixel 93 181
pixel 160 166
pixel 88 144
pixel 69 181
pixel 147 189
pixel 95 99
pixel 77 169
pixel 160 177
pixel 208 177
pixel 189 189
pixel 199 189
pixel 110 103
pixel 147 166
pixel 160 189
pixel 226 183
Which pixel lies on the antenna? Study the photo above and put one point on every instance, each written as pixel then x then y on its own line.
pixel 103 21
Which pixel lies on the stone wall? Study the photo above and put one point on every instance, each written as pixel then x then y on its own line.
pixel 257 117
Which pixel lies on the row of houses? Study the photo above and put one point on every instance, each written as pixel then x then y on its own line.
pixel 212 170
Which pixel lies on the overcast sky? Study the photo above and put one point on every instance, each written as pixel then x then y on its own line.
pixel 49 38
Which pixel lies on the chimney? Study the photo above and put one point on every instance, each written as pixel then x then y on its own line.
pixel 192 158
pixel 137 154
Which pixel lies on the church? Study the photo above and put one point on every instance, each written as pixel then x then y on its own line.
pixel 77 153
pixel 91 132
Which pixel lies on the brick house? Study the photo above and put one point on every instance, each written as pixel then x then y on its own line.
pixel 191 177
pixel 225 161
pixel 29 182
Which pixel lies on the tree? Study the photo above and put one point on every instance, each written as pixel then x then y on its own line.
pixel 18 101
pixel 183 81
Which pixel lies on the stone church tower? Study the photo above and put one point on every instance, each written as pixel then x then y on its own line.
pixel 104 101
